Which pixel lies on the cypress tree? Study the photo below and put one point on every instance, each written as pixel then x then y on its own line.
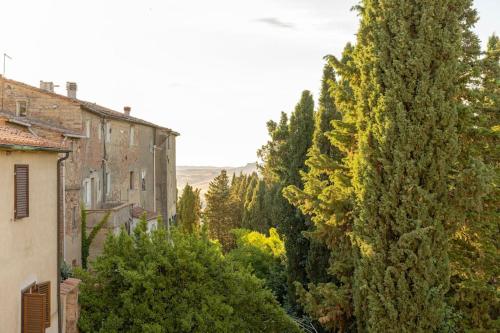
pixel 407 108
pixel 284 159
pixel 218 211
pixel 256 217
pixel 327 195
pixel 474 247
pixel 189 209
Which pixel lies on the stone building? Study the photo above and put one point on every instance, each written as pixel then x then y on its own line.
pixel 118 161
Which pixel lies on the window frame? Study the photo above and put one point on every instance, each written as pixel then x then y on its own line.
pixel 143 180
pixel 33 289
pixel 132 136
pixel 18 108
pixel 132 180
pixel 18 216
pixel 108 132
pixel 108 183
pixel 88 128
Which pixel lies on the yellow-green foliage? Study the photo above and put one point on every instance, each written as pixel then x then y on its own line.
pixel 264 256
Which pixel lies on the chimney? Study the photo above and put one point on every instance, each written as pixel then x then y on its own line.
pixel 126 110
pixel 71 89
pixel 47 86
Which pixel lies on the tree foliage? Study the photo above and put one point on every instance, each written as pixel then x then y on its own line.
pixel 189 209
pixel 328 196
pixel 407 105
pixel 219 212
pixel 284 158
pixel 474 246
pixel 143 283
pixel 265 256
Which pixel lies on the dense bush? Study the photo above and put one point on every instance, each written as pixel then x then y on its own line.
pixel 265 256
pixel 181 283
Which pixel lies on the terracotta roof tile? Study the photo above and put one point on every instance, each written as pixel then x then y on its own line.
pixel 10 135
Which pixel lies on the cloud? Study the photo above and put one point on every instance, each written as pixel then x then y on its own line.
pixel 275 22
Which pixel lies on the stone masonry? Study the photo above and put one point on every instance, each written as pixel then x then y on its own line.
pixel 116 158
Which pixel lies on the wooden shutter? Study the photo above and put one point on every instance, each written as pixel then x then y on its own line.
pixel 21 191
pixel 33 313
pixel 44 289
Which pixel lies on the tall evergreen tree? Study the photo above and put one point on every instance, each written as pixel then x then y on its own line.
pixel 284 158
pixel 474 247
pixel 328 194
pixel 406 101
pixel 218 212
pixel 256 217
pixel 189 209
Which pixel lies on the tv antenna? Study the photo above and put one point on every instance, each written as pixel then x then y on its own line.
pixel 5 56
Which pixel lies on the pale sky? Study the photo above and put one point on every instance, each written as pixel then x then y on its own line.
pixel 215 71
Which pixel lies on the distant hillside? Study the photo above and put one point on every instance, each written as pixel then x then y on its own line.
pixel 201 176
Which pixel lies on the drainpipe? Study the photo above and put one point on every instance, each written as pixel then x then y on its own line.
pixel 154 178
pixel 59 229
pixel 104 159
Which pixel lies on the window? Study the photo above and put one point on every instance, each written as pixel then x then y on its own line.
pixel 87 128
pixel 108 183
pixel 108 132
pixel 143 180
pixel 21 108
pixel 35 307
pixel 131 180
pixel 21 191
pixel 87 193
pixel 74 225
pixel 132 135
pixel 99 134
pixel 99 193
pixel 73 146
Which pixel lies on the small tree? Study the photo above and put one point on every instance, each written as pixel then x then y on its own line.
pixel 189 209
pixel 218 212
pixel 88 238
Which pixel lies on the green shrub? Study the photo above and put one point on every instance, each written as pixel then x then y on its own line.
pixel 147 283
pixel 265 256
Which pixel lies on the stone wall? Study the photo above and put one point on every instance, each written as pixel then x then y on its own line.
pixel 120 217
pixel 93 157
pixel 69 303
pixel 42 105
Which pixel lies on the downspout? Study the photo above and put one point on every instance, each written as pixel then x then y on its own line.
pixel 59 229
pixel 104 158
pixel 63 242
pixel 167 151
pixel 154 169
pixel 154 178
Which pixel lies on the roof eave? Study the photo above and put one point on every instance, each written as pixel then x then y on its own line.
pixel 18 122
pixel 74 136
pixel 33 148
